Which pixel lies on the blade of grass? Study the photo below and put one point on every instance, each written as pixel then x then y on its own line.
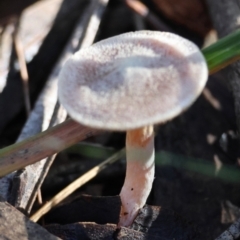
pixel 223 52
pixel 42 145
pixel 207 168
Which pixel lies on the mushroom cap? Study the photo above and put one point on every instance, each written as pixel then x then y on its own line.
pixel 132 80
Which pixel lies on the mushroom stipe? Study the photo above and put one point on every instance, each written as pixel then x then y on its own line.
pixel 129 83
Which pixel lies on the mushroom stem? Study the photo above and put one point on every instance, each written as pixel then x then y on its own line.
pixel 139 175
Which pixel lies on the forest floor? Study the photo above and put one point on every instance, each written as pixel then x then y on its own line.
pixel 197 154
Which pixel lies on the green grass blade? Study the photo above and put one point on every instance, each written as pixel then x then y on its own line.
pixel 226 173
pixel 223 52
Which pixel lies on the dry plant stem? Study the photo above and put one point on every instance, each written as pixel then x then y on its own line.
pixel 139 175
pixel 39 197
pixel 75 185
pixel 47 143
pixel 23 68
pixel 141 9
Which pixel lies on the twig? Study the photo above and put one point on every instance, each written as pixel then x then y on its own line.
pixel 39 196
pixel 23 68
pixel 75 185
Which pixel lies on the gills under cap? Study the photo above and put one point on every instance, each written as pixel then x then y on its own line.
pixel 132 80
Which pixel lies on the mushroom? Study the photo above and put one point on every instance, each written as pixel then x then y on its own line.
pixel 129 83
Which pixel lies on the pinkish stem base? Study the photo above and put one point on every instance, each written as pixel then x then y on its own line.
pixel 139 174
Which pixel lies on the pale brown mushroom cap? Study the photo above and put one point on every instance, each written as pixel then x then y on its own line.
pixel 132 80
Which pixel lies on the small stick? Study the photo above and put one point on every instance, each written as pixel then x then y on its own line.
pixel 40 202
pixel 39 196
pixel 75 185
pixel 23 68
